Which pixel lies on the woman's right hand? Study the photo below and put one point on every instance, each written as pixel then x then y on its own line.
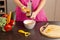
pixel 25 10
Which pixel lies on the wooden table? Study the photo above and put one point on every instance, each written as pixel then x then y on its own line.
pixel 35 33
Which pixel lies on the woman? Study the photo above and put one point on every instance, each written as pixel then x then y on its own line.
pixel 38 13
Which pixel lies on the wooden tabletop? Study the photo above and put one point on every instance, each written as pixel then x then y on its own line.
pixel 35 33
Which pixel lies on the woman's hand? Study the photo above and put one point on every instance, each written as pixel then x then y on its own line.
pixel 25 9
pixel 34 14
pixel 41 5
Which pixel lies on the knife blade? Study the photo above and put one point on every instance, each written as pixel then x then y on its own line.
pixel 45 26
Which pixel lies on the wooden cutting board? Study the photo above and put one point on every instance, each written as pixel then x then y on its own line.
pixel 52 31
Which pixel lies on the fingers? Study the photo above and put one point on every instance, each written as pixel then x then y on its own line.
pixel 25 10
pixel 32 17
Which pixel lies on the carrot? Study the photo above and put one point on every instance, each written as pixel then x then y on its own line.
pixel 9 17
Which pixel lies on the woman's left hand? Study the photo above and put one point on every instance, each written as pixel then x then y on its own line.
pixel 33 15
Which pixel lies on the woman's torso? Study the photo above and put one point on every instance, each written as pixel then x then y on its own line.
pixel 35 3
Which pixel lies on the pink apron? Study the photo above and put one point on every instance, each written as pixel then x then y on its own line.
pixel 20 16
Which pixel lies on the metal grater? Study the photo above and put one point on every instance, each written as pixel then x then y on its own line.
pixel 29 5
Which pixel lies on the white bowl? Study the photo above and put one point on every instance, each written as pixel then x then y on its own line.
pixel 29 24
